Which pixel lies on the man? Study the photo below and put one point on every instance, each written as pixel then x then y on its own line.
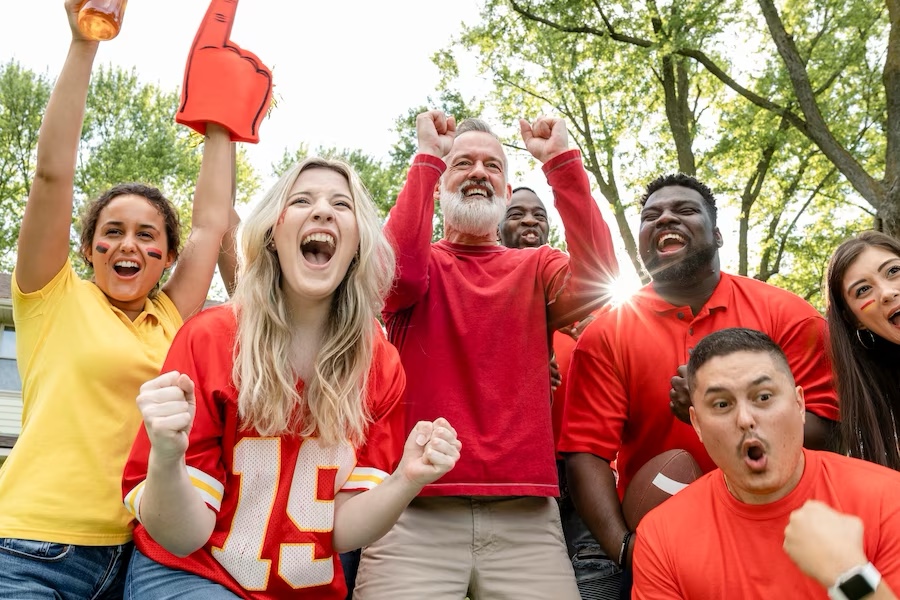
pixel 617 404
pixel 525 225
pixel 767 523
pixel 471 319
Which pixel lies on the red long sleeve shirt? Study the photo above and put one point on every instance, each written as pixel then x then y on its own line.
pixel 471 324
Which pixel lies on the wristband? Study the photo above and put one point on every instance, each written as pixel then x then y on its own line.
pixel 623 551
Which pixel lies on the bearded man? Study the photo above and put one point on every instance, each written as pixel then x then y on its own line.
pixel 626 378
pixel 471 320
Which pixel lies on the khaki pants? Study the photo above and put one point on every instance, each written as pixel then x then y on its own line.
pixel 446 548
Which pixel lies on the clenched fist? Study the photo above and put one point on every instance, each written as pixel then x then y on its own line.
pixel 167 405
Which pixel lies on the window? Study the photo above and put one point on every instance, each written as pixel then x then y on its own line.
pixel 9 372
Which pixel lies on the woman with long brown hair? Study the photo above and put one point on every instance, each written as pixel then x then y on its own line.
pixel 864 322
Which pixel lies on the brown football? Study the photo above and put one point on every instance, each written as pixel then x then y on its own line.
pixel 657 481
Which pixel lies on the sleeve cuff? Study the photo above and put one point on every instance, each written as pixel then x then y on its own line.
pixel 363 478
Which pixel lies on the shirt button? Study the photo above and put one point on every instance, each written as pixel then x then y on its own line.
pixel 681 315
pixel 691 331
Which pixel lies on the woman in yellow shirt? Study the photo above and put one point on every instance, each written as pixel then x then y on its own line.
pixel 85 346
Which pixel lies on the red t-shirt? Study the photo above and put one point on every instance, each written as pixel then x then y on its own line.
pixel 619 380
pixel 704 543
pixel 274 496
pixel 471 324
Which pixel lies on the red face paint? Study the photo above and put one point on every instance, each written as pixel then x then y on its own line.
pixel 867 305
pixel 102 247
pixel 154 253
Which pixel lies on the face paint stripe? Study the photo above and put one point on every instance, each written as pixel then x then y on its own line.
pixel 102 247
pixel 155 253
pixel 867 304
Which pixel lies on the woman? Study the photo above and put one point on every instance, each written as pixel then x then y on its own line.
pixel 84 347
pixel 864 322
pixel 275 411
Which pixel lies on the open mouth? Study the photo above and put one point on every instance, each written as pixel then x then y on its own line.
pixel 755 455
pixel 894 319
pixel 318 248
pixel 531 237
pixel 669 243
pixel 477 190
pixel 126 268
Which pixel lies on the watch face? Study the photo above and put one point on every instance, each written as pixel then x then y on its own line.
pixel 856 588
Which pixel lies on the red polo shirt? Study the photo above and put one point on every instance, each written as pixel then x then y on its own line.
pixel 617 398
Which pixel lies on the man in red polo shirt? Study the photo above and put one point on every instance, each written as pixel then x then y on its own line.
pixel 621 376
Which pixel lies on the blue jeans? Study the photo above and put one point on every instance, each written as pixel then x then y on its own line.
pixel 350 565
pixel 598 577
pixel 150 580
pixel 31 570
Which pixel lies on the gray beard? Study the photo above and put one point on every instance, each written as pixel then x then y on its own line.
pixel 476 216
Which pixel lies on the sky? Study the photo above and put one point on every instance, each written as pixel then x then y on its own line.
pixel 343 70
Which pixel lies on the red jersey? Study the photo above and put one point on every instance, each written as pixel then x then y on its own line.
pixel 274 496
pixel 471 325
pixel 617 398
pixel 703 543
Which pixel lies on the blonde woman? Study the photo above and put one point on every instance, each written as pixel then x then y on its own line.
pixel 269 438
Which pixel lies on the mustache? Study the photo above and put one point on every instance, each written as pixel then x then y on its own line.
pixel 751 437
pixel 476 182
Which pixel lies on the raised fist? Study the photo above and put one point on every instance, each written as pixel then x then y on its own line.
pixel 223 83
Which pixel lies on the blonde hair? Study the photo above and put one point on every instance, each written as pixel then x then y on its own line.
pixel 333 403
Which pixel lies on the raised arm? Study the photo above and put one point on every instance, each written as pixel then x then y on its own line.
pixel 193 274
pixel 228 250
pixel 409 227
pixel 44 235
pixel 580 288
pixel 225 95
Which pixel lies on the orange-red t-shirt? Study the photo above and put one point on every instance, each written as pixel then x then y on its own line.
pixel 703 543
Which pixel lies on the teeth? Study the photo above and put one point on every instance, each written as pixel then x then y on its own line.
pixel 319 237
pixel 669 236
pixel 128 263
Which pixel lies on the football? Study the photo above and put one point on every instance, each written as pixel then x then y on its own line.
pixel 658 480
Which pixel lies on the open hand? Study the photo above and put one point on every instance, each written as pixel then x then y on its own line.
pixel 223 83
pixel 680 397
pixel 167 405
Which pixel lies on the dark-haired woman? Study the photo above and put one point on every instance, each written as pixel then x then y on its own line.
pixel 84 348
pixel 864 322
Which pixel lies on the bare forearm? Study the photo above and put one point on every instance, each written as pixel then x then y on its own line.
pixel 593 488
pixel 228 261
pixel 64 117
pixel 363 518
pixel 212 198
pixel 172 510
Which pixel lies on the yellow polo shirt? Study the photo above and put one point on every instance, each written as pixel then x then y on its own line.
pixel 82 362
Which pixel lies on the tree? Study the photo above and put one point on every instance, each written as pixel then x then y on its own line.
pixel 378 178
pixel 635 102
pixel 23 96
pixel 830 57
pixel 129 134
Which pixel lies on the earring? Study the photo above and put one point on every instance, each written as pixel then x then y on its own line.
pixel 860 338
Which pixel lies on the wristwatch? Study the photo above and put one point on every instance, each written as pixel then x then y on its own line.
pixel 856 584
